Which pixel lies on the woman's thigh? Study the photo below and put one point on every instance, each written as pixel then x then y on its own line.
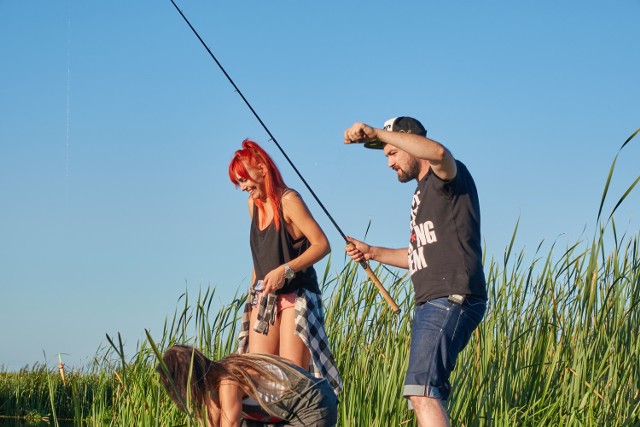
pixel 261 343
pixel 291 346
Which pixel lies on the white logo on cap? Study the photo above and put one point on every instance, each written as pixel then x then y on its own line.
pixel 388 125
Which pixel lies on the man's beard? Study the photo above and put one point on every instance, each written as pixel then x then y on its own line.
pixel 411 172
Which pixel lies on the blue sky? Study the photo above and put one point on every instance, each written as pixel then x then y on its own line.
pixel 117 129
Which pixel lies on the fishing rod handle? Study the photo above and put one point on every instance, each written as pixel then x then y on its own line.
pixel 383 291
pixel 367 268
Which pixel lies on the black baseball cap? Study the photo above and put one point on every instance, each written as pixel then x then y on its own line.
pixel 398 124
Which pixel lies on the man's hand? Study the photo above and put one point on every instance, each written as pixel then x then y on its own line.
pixel 358 133
pixel 357 250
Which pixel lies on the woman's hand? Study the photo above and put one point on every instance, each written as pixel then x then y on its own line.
pixel 274 280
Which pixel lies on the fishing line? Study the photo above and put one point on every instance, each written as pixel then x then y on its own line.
pixel 363 264
pixel 261 122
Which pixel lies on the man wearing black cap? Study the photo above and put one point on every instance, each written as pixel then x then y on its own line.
pixel 444 257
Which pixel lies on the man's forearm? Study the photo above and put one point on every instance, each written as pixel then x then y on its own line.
pixel 394 257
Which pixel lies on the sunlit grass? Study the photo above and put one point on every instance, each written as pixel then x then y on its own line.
pixel 558 346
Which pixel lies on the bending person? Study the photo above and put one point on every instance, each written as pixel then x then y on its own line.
pixel 263 388
pixel 284 314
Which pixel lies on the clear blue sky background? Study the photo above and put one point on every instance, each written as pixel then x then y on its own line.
pixel 116 129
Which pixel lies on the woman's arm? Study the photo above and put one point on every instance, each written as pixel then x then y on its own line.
pixel 213 412
pixel 230 394
pixel 299 222
pixel 253 270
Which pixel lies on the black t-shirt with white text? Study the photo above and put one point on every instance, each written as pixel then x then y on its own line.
pixel 445 249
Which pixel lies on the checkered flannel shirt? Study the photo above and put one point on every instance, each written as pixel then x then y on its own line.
pixel 310 329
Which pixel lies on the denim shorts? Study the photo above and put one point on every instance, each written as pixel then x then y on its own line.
pixel 312 404
pixel 440 330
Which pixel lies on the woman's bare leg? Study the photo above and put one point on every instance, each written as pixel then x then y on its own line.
pixel 291 346
pixel 260 343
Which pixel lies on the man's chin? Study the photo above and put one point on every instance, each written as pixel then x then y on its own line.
pixel 403 177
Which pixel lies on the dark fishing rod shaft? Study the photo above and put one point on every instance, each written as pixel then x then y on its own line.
pixel 363 264
pixel 335 224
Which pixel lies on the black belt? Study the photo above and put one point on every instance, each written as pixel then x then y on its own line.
pixel 457 299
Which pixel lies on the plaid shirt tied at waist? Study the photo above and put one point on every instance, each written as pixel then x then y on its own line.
pixel 310 329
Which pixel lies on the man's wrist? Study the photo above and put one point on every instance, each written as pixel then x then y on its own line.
pixel 373 253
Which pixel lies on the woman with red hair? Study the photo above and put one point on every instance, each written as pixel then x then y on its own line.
pixel 284 314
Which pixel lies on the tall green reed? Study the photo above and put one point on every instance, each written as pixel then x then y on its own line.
pixel 558 345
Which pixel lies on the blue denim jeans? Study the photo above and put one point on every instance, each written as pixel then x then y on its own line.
pixel 312 404
pixel 440 330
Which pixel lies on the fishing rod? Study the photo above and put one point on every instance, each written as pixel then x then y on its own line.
pixel 364 264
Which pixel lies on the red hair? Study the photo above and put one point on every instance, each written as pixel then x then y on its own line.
pixel 253 155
